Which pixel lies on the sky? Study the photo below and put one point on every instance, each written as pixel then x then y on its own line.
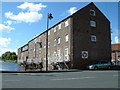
pixel 22 21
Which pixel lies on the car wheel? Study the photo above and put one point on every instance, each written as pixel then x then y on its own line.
pixel 109 67
pixel 95 67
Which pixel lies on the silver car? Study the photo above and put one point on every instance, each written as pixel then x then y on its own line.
pixel 100 65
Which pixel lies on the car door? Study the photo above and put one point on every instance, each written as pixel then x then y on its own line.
pixel 103 64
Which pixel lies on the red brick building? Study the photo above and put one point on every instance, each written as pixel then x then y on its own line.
pixel 115 52
pixel 81 39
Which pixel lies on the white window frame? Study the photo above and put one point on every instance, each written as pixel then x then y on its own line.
pixel 66 53
pixel 44 46
pixel 58 41
pixel 55 42
pixel 48 44
pixel 34 49
pixel 54 29
pixel 59 26
pixel 49 32
pixel 91 10
pixel 66 38
pixel 92 23
pixel 36 40
pixel 58 52
pixel 66 23
pixel 93 38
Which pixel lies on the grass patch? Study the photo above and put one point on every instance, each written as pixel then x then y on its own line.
pixel 13 61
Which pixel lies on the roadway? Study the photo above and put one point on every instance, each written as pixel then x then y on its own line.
pixel 81 79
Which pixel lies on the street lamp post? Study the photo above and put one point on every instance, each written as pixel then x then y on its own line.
pixel 48 17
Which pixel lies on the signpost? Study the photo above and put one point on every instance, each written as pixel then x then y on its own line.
pixel 84 54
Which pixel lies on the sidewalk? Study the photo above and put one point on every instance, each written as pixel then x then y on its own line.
pixel 51 71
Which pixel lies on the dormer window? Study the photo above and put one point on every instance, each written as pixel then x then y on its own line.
pixel 92 12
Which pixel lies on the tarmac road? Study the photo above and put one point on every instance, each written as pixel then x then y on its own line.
pixel 82 79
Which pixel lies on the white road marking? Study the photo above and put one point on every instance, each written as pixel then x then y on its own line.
pixel 11 80
pixel 37 74
pixel 73 78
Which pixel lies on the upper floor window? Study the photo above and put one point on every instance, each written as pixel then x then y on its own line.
pixel 54 29
pixel 59 26
pixel 58 52
pixel 93 38
pixel 34 49
pixel 66 38
pixel 92 23
pixel 66 53
pixel 58 41
pixel 36 40
pixel 66 23
pixel 54 42
pixel 49 32
pixel 48 44
pixel 92 12
pixel 40 44
pixel 44 46
pixel 25 48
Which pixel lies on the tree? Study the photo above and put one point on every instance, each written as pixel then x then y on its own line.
pixel 9 56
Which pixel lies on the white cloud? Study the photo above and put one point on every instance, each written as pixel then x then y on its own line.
pixel 8 14
pixel 3 50
pixel 31 7
pixel 5 28
pixel 27 17
pixel 117 39
pixel 4 42
pixel 8 22
pixel 30 16
pixel 72 10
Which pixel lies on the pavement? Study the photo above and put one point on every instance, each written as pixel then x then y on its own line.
pixel 115 68
pixel 50 71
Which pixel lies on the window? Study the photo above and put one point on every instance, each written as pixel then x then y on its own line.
pixel 92 12
pixel 49 32
pixel 66 53
pixel 59 26
pixel 66 23
pixel 58 52
pixel 25 48
pixel 66 38
pixel 54 55
pixel 34 49
pixel 58 40
pixel 48 44
pixel 54 42
pixel 92 23
pixel 44 46
pixel 40 44
pixel 36 40
pixel 93 38
pixel 54 29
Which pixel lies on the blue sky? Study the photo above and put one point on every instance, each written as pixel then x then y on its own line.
pixel 22 21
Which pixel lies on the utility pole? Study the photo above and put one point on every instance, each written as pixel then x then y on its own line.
pixel 49 16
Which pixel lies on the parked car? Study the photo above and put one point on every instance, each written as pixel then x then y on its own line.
pixel 100 65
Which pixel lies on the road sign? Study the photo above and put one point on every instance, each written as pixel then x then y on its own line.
pixel 84 54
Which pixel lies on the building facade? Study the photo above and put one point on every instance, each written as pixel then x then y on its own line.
pixel 80 39
pixel 116 52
